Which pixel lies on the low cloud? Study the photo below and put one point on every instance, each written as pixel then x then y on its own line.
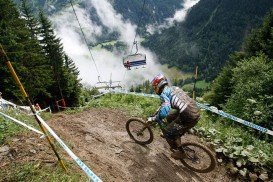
pixel 107 62
pixel 179 16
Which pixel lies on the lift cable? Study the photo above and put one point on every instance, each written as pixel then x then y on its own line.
pixel 138 23
pixel 85 40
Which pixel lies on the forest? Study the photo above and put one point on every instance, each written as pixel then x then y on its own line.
pixel 37 55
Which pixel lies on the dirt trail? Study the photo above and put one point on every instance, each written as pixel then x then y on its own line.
pixel 98 136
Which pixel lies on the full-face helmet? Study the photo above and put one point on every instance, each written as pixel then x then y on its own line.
pixel 159 82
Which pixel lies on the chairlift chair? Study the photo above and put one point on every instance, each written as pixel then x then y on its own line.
pixel 134 60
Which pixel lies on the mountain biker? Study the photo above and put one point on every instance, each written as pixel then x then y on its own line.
pixel 184 115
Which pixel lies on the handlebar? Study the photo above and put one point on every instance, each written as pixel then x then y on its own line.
pixel 156 112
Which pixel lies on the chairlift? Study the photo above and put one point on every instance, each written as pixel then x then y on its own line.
pixel 134 60
pixel 108 84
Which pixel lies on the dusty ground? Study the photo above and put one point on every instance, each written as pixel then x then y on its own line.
pixel 98 137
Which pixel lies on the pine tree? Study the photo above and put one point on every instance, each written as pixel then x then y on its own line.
pixel 24 54
pixel 73 85
pixel 65 74
pixel 53 50
pixel 9 20
pixel 31 22
pixel 39 71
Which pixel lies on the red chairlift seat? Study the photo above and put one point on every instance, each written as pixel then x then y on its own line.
pixel 134 60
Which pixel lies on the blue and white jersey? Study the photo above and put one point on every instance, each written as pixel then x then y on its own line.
pixel 172 98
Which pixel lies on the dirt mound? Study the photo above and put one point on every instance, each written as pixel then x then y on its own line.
pixel 98 137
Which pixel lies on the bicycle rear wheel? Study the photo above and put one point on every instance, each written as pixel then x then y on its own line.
pixel 139 131
pixel 199 158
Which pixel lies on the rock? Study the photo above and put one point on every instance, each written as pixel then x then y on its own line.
pixel 253 176
pixel 4 150
pixel 264 176
pixel 234 170
pixel 33 151
pixel 118 151
pixel 191 131
pixel 243 172
pixel 15 139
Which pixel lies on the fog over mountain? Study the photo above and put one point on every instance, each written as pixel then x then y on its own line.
pixel 179 16
pixel 67 28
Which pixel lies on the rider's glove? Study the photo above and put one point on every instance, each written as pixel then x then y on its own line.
pixel 152 118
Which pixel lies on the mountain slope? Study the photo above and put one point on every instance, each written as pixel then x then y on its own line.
pixel 212 30
pixel 154 10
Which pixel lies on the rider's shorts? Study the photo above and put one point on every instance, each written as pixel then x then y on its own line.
pixel 181 123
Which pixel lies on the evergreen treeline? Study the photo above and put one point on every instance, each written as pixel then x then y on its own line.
pixel 212 30
pixel 145 87
pixel 48 6
pixel 245 86
pixel 37 56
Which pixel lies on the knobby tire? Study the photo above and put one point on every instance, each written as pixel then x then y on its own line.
pixel 142 125
pixel 204 149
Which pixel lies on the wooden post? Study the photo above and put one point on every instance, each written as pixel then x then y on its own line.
pixel 15 77
pixel 195 79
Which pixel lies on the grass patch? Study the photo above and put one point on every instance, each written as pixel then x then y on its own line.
pixel 175 73
pixel 188 87
pixel 202 84
pixel 199 85
pixel 135 105
pixel 9 128
pixel 35 172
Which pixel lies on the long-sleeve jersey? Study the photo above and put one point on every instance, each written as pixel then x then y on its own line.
pixel 172 98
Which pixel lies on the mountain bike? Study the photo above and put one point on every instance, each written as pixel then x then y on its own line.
pixel 198 157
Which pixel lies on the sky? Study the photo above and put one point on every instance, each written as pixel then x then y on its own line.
pixel 102 62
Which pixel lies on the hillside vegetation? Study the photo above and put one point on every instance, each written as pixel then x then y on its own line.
pixel 244 87
pixel 211 31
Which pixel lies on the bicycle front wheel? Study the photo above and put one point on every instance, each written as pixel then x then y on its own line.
pixel 199 158
pixel 139 131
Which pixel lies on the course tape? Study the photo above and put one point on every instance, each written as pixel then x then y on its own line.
pixel 21 123
pixel 234 118
pixel 212 109
pixel 136 93
pixel 48 108
pixel 27 108
pixel 88 172
pixel 3 101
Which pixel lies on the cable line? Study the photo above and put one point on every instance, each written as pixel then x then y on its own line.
pixel 138 23
pixel 85 39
